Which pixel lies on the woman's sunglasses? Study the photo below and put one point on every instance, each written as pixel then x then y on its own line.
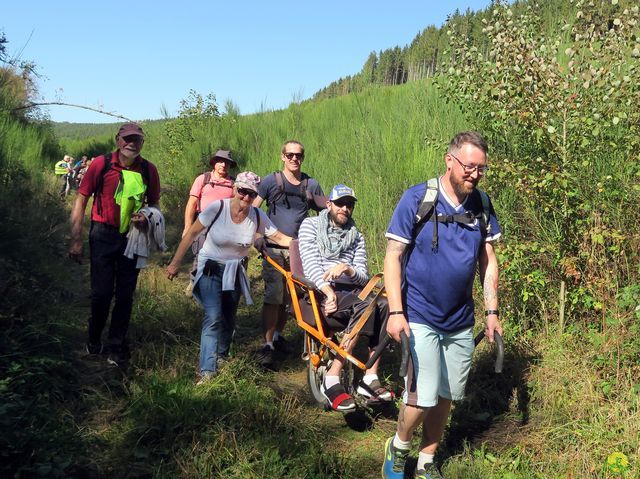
pixel 247 192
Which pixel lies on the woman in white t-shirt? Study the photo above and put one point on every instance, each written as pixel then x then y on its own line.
pixel 231 227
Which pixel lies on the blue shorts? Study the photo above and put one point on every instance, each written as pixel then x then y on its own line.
pixel 439 365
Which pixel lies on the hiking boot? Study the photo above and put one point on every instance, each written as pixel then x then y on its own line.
pixel 338 398
pixel 221 362
pixel 119 356
pixel 265 357
pixel 394 461
pixel 93 349
pixel 430 471
pixel 206 377
pixel 282 345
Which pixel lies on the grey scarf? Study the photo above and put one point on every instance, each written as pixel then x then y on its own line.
pixel 333 240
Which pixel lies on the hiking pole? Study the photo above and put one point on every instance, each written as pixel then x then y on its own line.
pixel 499 348
pixel 404 341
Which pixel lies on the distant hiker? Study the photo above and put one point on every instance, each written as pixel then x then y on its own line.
pixel 64 169
pixel 230 227
pixel 334 258
pixel 82 169
pixel 208 187
pixel 289 194
pixel 120 183
pixel 440 233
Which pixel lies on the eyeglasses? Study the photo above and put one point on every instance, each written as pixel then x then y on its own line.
pixel 349 203
pixel 291 156
pixel 247 192
pixel 132 139
pixel 470 169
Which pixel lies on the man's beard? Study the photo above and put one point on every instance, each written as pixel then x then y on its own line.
pixel 338 221
pixel 460 187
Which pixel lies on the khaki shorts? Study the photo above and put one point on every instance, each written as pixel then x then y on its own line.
pixel 274 282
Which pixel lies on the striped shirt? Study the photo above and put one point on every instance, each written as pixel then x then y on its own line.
pixel 314 265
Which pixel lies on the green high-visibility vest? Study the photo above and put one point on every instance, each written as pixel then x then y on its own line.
pixel 130 196
pixel 60 167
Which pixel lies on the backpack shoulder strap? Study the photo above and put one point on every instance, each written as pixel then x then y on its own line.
pixel 304 188
pixel 485 226
pixel 279 181
pixel 205 181
pixel 279 194
pixel 257 212
pixel 215 217
pixel 144 165
pixel 427 206
pixel 97 194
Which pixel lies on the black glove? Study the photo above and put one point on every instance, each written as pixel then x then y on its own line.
pixel 260 244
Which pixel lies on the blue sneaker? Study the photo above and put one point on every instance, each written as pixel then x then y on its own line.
pixel 430 471
pixel 394 461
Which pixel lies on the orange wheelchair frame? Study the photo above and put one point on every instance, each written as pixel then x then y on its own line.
pixel 318 345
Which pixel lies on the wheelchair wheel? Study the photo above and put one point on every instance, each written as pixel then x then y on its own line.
pixel 315 375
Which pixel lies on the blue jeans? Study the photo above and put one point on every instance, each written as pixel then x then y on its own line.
pixel 219 319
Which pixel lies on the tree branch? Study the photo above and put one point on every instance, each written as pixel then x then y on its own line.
pixel 33 105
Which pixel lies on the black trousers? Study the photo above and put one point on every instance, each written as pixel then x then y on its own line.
pixel 350 309
pixel 111 274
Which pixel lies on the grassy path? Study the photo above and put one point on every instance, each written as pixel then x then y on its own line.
pixel 122 435
pixel 153 422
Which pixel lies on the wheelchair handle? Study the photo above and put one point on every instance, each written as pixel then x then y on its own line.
pixel 274 245
pixel 310 285
pixel 499 348
pixel 404 341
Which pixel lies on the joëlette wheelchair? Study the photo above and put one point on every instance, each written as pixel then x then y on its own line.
pixel 322 342
pixel 324 339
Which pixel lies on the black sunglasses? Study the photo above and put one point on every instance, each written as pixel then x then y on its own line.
pixel 291 156
pixel 247 192
pixel 133 139
pixel 344 202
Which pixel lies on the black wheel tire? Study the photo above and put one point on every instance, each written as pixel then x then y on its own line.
pixel 315 376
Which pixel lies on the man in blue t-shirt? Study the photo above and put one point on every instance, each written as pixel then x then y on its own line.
pixel 289 195
pixel 429 282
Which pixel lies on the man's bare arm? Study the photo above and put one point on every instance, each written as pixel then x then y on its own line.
pixel 489 272
pixel 77 217
pixel 392 284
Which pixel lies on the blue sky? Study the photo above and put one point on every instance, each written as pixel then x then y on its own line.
pixel 132 58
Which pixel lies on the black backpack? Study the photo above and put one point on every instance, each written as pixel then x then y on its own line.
pixel 314 202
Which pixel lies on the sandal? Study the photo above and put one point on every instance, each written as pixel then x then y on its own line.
pixel 375 391
pixel 338 398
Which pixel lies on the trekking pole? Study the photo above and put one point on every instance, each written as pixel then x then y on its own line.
pixel 404 341
pixel 499 348
pixel 404 363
